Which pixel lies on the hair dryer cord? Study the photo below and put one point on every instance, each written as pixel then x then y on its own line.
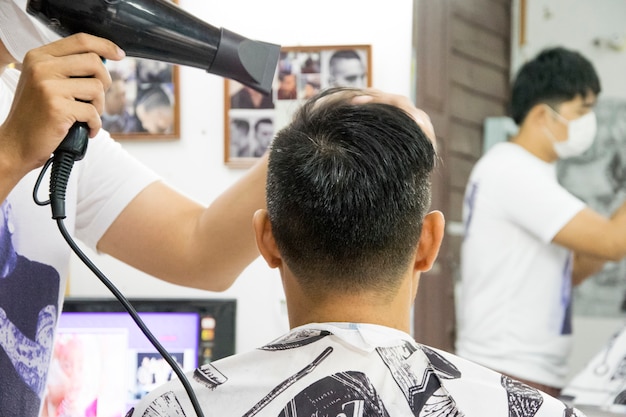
pixel 73 148
pixel 133 313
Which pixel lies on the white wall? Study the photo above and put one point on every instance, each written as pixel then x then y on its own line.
pixel 194 164
pixel 576 24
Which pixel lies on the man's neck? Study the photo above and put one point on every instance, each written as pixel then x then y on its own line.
pixel 534 142
pixel 363 307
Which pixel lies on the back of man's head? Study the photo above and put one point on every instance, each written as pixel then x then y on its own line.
pixel 347 189
pixel 552 77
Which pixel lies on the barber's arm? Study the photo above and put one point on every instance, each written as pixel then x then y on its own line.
pixel 584 267
pixel 594 239
pixel 167 235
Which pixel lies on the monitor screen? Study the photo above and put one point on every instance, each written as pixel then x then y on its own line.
pixel 103 364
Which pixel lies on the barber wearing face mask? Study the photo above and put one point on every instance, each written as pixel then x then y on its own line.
pixel 528 240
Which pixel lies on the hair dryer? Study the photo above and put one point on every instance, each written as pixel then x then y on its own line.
pixel 160 30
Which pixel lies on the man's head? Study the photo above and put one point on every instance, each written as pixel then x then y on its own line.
pixel 555 76
pixel 288 86
pixel 346 69
pixel 240 128
pixel 239 137
pixel 264 131
pixel 552 101
pixel 348 188
pixel 154 110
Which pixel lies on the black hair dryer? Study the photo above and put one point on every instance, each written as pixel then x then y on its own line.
pixel 160 30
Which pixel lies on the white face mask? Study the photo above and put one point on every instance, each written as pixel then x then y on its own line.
pixel 580 135
pixel 21 32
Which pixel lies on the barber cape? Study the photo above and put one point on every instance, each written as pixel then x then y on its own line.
pixel 345 369
pixel 601 385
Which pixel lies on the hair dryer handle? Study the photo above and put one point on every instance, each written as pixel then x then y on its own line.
pixel 71 149
pixel 75 142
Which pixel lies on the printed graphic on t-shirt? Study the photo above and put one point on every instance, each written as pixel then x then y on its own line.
pixel 28 314
pixel 566 296
pixel 469 200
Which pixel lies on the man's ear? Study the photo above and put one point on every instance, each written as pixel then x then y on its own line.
pixel 265 239
pixel 430 240
pixel 539 113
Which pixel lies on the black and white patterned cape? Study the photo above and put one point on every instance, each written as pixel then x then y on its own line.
pixel 349 370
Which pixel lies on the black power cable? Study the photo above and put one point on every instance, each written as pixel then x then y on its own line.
pixel 72 149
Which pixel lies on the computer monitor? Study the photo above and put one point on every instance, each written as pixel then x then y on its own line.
pixel 103 364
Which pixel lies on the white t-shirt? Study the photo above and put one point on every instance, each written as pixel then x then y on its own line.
pixel 100 186
pixel 514 312
pixel 347 369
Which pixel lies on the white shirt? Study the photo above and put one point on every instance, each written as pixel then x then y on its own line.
pixel 514 312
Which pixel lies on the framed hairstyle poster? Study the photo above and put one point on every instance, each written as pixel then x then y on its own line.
pixel 251 119
pixel 143 100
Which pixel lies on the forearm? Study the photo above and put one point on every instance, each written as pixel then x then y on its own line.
pixel 585 267
pixel 592 234
pixel 12 170
pixel 226 229
pixel 177 240
pixel 618 235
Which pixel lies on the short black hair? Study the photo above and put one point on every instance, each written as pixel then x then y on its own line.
pixel 153 98
pixel 241 124
pixel 555 75
pixel 265 120
pixel 347 189
pixel 344 54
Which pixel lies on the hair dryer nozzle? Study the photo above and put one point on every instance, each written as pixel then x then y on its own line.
pixel 252 63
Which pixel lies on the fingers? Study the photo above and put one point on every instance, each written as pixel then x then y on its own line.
pixel 72 66
pixel 371 95
pixel 85 101
pixel 86 112
pixel 76 56
pixel 72 69
pixel 77 44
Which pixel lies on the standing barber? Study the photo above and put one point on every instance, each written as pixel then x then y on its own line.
pixel 114 204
